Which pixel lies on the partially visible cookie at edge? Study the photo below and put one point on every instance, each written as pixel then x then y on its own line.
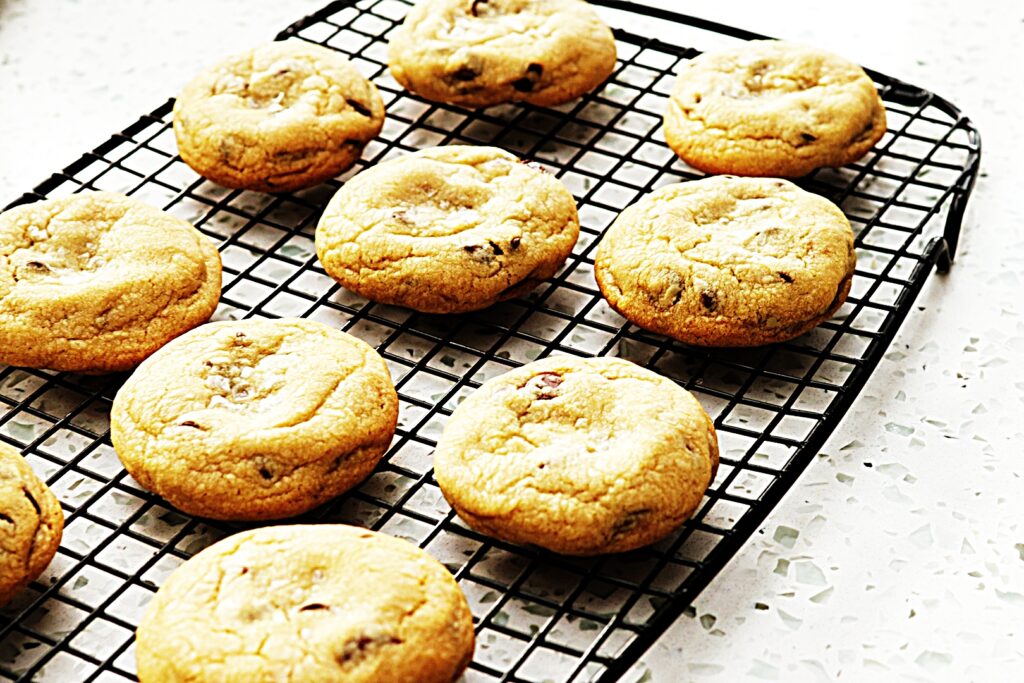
pixel 448 229
pixel 255 419
pixel 478 53
pixel 97 281
pixel 313 603
pixel 772 108
pixel 31 524
pixel 727 261
pixel 278 117
pixel 579 456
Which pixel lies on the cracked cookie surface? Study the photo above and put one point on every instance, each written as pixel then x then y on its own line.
pixel 772 108
pixel 255 419
pixel 278 117
pixel 447 229
pixel 97 281
pixel 311 603
pixel 31 523
pixel 478 53
pixel 580 456
pixel 727 261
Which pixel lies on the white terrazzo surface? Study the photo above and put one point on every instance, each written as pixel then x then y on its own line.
pixel 900 553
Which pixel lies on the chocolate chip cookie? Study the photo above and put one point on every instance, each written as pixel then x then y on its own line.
pixel 255 419
pixel 278 117
pixel 315 603
pixel 727 261
pixel 580 456
pixel 97 281
pixel 447 229
pixel 31 523
pixel 477 53
pixel 771 108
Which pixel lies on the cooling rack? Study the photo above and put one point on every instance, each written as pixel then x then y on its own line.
pixel 540 617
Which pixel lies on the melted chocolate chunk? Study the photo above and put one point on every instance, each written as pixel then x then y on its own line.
pixel 313 606
pixel 498 251
pixel 465 74
pixel 864 134
pixel 786 277
pixel 629 521
pixel 32 500
pixel 546 384
pixel 523 85
pixel 357 647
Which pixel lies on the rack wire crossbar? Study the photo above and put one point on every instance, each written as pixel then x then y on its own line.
pixel 539 616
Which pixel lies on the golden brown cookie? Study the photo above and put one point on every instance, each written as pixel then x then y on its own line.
pixel 482 52
pixel 448 229
pixel 580 456
pixel 278 117
pixel 314 603
pixel 727 261
pixel 31 523
pixel 771 108
pixel 255 419
pixel 97 281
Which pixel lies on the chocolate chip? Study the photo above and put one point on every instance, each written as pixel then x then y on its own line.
pixel 629 521
pixel 473 7
pixel 514 242
pixel 546 384
pixel 471 248
pixel 265 473
pixel 865 133
pixel 359 107
pixel 551 379
pixel 356 647
pixel 38 265
pixel 535 69
pixel 540 466
pixel 807 137
pixel 313 606
pixel 245 570
pixel 465 74
pixel 523 85
pixel 709 300
pixel 337 462
pixel 190 423
pixel 786 277
pixel 498 251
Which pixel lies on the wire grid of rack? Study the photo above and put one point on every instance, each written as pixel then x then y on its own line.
pixel 539 616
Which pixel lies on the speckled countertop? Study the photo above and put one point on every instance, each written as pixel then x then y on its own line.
pixel 899 555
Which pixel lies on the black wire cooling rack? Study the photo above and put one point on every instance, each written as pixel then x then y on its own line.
pixel 539 617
